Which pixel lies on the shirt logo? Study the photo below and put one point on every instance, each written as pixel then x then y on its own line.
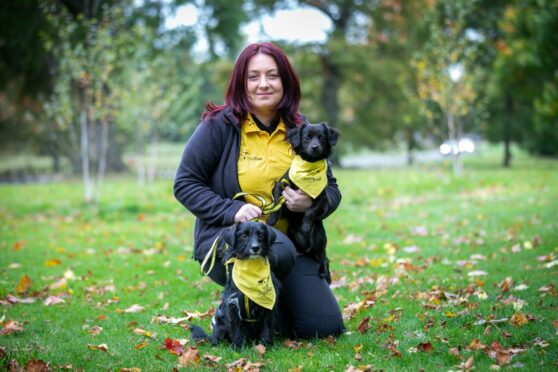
pixel 245 155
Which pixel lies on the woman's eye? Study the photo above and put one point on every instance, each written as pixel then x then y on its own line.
pixel 273 76
pixel 253 77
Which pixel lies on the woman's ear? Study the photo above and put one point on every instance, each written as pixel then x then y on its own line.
pixel 294 136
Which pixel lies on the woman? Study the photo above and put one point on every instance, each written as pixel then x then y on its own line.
pixel 241 147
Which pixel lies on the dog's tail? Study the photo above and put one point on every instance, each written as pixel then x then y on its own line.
pixel 197 334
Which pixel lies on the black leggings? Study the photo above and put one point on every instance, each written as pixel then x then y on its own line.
pixel 307 307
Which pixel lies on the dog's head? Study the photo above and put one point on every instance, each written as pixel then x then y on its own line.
pixel 248 239
pixel 313 142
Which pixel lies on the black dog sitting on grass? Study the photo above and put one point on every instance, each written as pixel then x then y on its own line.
pixel 246 310
pixel 312 144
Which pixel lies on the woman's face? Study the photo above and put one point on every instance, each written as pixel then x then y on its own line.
pixel 263 85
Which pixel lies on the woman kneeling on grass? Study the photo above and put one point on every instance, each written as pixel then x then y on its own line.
pixel 241 147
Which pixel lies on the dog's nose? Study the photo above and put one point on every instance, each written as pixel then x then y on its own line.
pixel 255 249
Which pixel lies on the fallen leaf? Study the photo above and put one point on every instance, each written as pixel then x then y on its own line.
pixel 260 349
pixel 173 346
pixel 23 285
pixel 96 330
pixel 135 308
pixel 518 319
pixel 292 344
pixel 36 366
pixel 190 357
pixel 212 358
pixel 10 326
pixel 52 262
pixel 14 265
pixel 168 320
pixel 100 347
pixel 19 245
pixel 141 345
pixel 477 273
pixel 364 325
pixel 16 300
pixel 53 300
pixel 143 332
pixel 476 345
pixel 237 364
pixel 425 347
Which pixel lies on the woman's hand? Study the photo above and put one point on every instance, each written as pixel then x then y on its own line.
pixel 247 212
pixel 296 200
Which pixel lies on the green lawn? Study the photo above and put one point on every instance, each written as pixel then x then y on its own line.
pixel 431 271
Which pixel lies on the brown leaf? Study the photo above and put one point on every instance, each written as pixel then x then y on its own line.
pixel 237 364
pixel 19 245
pixel 518 319
pixel 292 344
pixel 190 357
pixel 96 330
pixel 100 347
pixel 476 345
pixel 454 351
pixel 11 326
pixel 212 359
pixel 425 347
pixel 364 325
pixel 260 349
pixel 141 345
pixel 351 368
pixel 23 285
pixel 36 366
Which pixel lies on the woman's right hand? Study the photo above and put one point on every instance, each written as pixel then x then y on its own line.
pixel 247 212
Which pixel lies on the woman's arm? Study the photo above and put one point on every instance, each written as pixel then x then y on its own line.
pixel 201 157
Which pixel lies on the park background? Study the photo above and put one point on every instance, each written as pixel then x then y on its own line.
pixel 439 261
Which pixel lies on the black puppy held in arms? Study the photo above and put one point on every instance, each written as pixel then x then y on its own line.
pixel 312 144
pixel 246 310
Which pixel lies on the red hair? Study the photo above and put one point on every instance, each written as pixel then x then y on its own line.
pixel 237 98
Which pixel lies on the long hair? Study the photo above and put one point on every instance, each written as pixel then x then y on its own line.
pixel 237 98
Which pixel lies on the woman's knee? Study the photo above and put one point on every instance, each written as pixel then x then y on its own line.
pixel 283 255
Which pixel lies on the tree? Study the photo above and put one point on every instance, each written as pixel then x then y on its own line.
pixel 445 72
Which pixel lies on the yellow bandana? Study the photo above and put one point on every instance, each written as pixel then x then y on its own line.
pixel 253 277
pixel 309 177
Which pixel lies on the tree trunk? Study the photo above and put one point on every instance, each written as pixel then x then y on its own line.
pixel 506 135
pixel 454 140
pixel 411 144
pixel 331 82
pixel 152 171
pixel 102 158
pixel 84 129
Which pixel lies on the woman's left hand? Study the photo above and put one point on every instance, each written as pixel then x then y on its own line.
pixel 296 200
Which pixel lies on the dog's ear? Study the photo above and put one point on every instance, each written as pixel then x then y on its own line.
pixel 332 134
pixel 229 235
pixel 294 136
pixel 271 236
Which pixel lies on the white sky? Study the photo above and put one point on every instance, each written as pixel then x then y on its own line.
pixel 299 25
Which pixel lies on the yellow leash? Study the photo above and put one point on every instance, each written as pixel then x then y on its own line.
pixel 267 208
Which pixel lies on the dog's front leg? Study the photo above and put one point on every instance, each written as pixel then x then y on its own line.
pixel 266 337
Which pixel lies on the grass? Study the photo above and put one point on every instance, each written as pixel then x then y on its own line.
pixel 407 240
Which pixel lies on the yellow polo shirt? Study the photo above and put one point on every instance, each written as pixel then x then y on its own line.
pixel 264 158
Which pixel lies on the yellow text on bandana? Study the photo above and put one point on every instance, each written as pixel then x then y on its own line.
pixel 253 277
pixel 309 177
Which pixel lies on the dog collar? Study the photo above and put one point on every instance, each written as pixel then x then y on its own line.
pixel 309 177
pixel 252 276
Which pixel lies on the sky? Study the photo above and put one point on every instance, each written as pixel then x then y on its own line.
pixel 299 25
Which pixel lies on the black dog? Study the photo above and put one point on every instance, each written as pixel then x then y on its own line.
pixel 313 143
pixel 238 319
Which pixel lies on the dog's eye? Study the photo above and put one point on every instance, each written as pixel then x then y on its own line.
pixel 245 234
pixel 260 234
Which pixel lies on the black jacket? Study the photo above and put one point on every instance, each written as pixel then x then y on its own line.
pixel 207 178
